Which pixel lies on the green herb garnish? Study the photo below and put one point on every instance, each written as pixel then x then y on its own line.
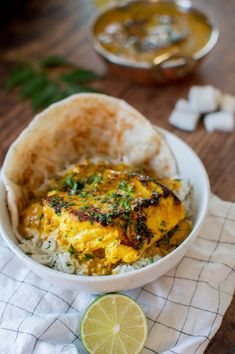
pixel 172 232
pixel 140 245
pixel 71 250
pixel 88 256
pixel 123 185
pixel 94 179
pixel 72 185
pixel 49 245
pixel 57 203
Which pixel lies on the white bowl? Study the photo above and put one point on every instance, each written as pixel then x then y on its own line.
pixel 191 169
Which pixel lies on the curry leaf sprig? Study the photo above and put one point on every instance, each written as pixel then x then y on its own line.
pixel 50 79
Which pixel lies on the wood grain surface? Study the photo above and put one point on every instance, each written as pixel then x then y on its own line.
pixel 60 27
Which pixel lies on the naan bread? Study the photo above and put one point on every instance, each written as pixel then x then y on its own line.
pixel 82 125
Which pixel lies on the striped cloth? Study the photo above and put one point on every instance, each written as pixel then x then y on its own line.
pixel 184 308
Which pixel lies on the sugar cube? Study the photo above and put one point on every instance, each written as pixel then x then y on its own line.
pixel 204 99
pixel 220 121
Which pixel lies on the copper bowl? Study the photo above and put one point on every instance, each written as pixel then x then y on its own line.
pixel 167 68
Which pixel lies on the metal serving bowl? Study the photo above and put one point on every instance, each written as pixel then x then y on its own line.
pixel 166 68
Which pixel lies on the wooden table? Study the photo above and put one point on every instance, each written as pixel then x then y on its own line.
pixel 59 27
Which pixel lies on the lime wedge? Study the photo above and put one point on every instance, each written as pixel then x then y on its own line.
pixel 114 324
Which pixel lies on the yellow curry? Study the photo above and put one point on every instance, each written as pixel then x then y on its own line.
pixel 105 215
pixel 142 30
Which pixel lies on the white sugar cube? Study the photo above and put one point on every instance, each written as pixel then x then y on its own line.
pixel 220 121
pixel 204 99
pixel 184 120
pixel 184 105
pixel 227 103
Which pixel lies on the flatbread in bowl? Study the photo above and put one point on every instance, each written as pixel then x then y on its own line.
pixel 51 166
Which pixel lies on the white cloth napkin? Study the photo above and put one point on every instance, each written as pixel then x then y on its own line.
pixel 184 308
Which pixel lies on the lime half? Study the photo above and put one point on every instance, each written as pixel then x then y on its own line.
pixel 114 324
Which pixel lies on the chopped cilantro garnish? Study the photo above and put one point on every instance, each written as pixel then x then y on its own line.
pixel 98 179
pixel 173 231
pixel 49 245
pixel 92 213
pixel 57 203
pixel 123 185
pixel 115 195
pixel 140 245
pixel 83 194
pixel 69 181
pixel 106 199
pixel 94 179
pixel 126 217
pixel 88 256
pixel 74 185
pixel 126 204
pixel 104 219
pixel 71 250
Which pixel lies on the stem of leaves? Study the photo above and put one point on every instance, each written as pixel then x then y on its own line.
pixel 50 79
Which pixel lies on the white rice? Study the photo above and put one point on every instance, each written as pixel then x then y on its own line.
pixel 49 254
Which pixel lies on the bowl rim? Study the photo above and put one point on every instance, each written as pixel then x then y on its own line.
pixel 108 278
pixel 184 5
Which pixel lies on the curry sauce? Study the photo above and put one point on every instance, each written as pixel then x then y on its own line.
pixel 140 31
pixel 105 215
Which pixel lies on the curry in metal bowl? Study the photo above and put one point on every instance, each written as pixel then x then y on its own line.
pixel 150 34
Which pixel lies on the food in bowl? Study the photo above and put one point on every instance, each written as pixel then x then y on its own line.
pixel 91 188
pixel 95 218
pixel 139 31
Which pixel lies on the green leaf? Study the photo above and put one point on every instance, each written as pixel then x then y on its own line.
pixel 80 75
pixel 60 95
pixel 18 76
pixel 45 97
pixel 54 60
pixel 71 90
pixel 33 86
pixel 42 88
